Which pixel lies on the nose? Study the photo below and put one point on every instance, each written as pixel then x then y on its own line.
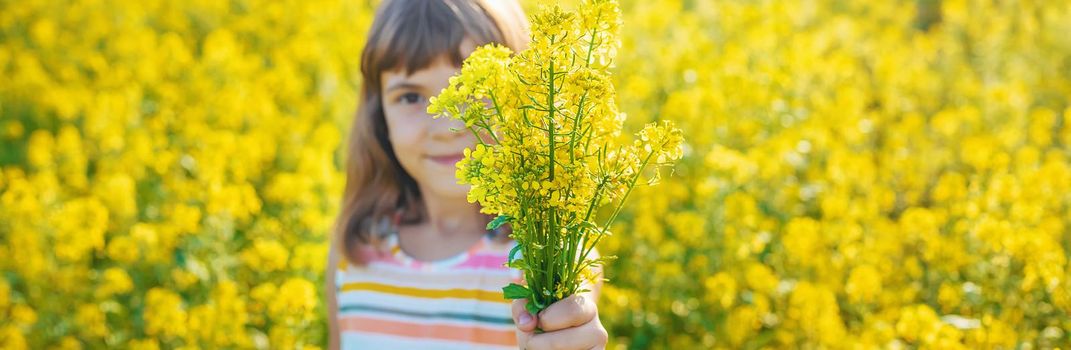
pixel 446 128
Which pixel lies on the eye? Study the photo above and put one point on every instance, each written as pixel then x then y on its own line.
pixel 410 98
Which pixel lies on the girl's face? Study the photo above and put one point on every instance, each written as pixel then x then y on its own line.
pixel 426 147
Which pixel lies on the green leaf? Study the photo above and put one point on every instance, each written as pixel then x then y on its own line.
pixel 532 307
pixel 513 252
pixel 516 291
pixel 517 264
pixel 499 221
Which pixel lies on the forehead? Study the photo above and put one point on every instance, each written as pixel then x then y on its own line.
pixel 438 69
pixel 441 65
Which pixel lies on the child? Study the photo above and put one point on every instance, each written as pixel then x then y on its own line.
pixel 412 266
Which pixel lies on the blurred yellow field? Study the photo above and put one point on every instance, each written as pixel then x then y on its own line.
pixel 857 174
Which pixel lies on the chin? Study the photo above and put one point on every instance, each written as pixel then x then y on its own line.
pixel 450 189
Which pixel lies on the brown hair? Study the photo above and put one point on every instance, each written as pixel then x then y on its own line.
pixel 409 34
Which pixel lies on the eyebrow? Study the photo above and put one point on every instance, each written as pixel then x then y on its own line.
pixel 403 85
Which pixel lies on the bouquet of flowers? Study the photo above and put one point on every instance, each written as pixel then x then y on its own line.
pixel 550 150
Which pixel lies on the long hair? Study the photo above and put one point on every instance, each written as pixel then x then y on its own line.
pixel 409 34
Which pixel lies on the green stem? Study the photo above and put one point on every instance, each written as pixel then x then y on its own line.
pixel 621 204
pixel 573 241
pixel 552 233
pixel 477 134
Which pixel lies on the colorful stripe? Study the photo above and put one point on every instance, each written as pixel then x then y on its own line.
pixel 428 315
pixel 397 302
pixel 401 276
pixel 399 270
pixel 365 340
pixel 443 332
pixel 426 305
pixel 485 261
pixel 481 295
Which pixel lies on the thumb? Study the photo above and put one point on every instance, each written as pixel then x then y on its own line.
pixel 525 322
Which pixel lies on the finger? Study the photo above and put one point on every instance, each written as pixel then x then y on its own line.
pixel 569 312
pixel 591 335
pixel 524 320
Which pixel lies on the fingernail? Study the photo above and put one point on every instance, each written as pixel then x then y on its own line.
pixel 524 318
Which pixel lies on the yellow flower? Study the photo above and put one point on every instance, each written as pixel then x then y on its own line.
pixel 813 309
pixel 745 321
pixel 183 278
pixel 118 194
pixel 80 227
pixel 123 249
pixel 237 201
pixel 308 257
pixel 5 294
pixel 761 279
pixel 917 323
pixel 904 161
pixel 864 284
pixel 266 256
pixel 23 315
pixel 802 240
pixel 91 321
pixel 994 333
pixel 221 321
pixel 949 297
pixel 133 162
pixel 12 337
pixel 165 314
pixel 70 343
pixel 721 289
pixel 114 281
pixel 551 156
pixel 40 149
pixel 144 344
pixel 295 301
pixel 185 218
pixel 662 141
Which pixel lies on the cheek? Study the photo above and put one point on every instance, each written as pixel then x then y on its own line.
pixel 406 137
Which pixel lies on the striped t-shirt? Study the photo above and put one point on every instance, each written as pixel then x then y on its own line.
pixel 396 302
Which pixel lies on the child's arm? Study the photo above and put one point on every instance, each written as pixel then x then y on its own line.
pixel 331 304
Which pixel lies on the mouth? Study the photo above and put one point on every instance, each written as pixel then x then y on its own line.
pixel 446 159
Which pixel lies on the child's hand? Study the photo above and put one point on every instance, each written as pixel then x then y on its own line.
pixel 570 323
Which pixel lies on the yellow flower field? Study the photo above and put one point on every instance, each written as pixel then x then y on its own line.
pixel 857 174
pixel 861 174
